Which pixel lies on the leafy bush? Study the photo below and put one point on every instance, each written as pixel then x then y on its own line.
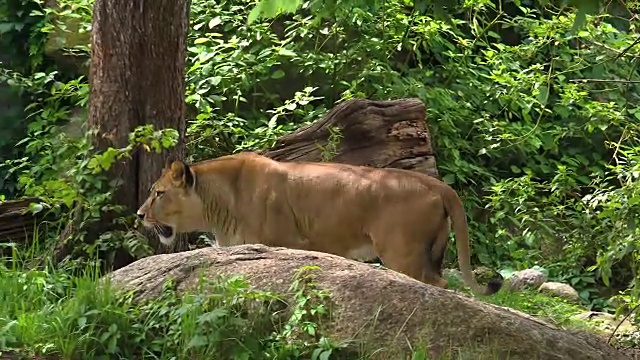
pixel 50 313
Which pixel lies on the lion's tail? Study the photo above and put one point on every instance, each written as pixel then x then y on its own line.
pixel 455 209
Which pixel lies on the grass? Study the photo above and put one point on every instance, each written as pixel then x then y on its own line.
pixel 50 313
pixel 555 310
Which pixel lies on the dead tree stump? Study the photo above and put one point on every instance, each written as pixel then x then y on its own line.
pixel 390 133
pixel 18 225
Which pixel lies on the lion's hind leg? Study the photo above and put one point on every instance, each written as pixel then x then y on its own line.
pixel 411 258
pixel 437 250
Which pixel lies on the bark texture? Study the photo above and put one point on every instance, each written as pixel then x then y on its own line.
pixel 390 133
pixel 138 51
pixel 18 224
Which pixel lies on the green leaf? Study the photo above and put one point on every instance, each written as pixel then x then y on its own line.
pixel 439 12
pixel 316 352
pixel 278 74
pixel 325 355
pixel 197 341
pixel 5 27
pixel 215 22
pixel 449 178
pixel 212 316
pixel 588 279
pixel 254 14
pixel 544 94
pixel 420 5
pixel 35 208
pixel 584 7
pixel 271 8
pixel 290 6
pixel 112 346
pixel 243 356
pixel 507 272
pixel 584 294
pixel 286 52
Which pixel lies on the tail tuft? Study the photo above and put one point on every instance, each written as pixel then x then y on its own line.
pixel 494 286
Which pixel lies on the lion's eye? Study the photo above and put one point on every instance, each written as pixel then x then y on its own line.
pixel 159 193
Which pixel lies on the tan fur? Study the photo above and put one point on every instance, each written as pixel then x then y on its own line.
pixel 351 211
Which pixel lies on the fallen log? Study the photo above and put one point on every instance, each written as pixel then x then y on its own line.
pixel 18 223
pixel 387 133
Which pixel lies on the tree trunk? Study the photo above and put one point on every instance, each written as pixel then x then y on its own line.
pixel 390 133
pixel 138 51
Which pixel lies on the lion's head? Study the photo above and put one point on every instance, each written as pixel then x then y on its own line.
pixel 173 205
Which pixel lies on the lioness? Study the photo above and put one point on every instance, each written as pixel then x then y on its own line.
pixel 356 212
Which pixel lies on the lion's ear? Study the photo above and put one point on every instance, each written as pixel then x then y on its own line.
pixel 181 173
pixel 168 161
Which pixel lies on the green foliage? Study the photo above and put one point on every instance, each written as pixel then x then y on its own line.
pixel 553 309
pixel 302 329
pixel 20 41
pixel 230 80
pixel 530 108
pixel 330 150
pixel 326 8
pixel 20 38
pixel 58 162
pixel 62 168
pixel 50 313
pixel 518 131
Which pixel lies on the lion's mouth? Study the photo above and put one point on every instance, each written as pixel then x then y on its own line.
pixel 164 230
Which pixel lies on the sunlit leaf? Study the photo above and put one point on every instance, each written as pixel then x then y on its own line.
pixel 215 22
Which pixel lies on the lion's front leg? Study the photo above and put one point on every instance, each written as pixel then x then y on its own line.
pixel 223 240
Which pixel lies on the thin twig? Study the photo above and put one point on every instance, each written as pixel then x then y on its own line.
pixel 606 81
pixel 619 52
pixel 626 50
pixel 620 323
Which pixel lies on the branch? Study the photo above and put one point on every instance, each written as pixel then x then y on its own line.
pixel 606 81
pixel 636 42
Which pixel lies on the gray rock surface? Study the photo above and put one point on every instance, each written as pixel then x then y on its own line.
pixel 562 290
pixel 382 308
pixel 525 279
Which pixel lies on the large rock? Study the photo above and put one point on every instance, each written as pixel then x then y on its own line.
pixel 562 290
pixel 525 279
pixel 607 323
pixel 392 311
